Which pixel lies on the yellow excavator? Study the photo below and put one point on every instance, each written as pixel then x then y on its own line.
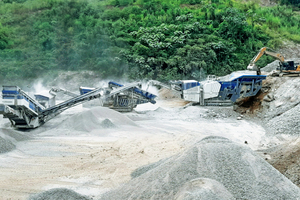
pixel 285 67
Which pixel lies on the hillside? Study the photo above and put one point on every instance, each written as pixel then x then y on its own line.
pixel 137 39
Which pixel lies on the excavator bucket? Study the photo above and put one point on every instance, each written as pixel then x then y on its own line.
pixel 252 67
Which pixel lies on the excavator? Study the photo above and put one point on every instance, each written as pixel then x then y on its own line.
pixel 289 68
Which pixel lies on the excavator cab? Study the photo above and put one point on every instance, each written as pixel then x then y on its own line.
pixel 289 66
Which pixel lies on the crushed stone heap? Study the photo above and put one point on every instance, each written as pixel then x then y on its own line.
pixel 287 123
pixel 6 145
pixel 9 138
pixel 214 168
pixel 59 194
pixel 95 118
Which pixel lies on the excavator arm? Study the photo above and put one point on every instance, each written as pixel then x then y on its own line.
pixel 261 52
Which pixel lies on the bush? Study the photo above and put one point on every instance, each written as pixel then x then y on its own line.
pixel 275 43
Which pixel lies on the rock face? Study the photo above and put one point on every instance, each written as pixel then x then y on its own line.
pixel 214 168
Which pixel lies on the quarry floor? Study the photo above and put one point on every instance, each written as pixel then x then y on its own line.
pixel 91 160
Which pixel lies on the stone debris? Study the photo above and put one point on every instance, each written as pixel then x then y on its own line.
pixel 286 123
pixel 203 188
pixel 59 194
pixel 6 145
pixel 214 167
pixel 9 138
pixel 96 118
pixel 280 106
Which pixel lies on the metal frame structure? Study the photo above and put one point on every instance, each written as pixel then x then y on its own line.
pixel 26 112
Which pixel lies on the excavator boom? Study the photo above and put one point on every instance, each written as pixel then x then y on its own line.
pixel 261 52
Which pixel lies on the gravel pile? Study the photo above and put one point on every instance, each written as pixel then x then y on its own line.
pixel 215 167
pixel 96 118
pixel 59 194
pixel 13 135
pixel 9 138
pixel 270 67
pixel 283 96
pixel 280 107
pixel 287 123
pixel 6 145
pixel 203 188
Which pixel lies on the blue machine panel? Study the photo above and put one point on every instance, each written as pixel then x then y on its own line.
pixel 139 91
pixel 14 92
pixel 84 90
pixel 111 83
pixel 11 92
pixel 242 86
pixel 189 85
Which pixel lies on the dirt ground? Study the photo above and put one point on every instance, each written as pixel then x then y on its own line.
pixel 285 158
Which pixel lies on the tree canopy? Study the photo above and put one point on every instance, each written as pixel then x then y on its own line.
pixel 139 39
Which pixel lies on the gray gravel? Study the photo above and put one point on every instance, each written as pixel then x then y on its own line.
pixel 270 67
pixel 280 107
pixel 95 118
pixel 59 194
pixel 203 188
pixel 6 145
pixel 9 139
pixel 14 135
pixel 283 96
pixel 228 170
pixel 287 123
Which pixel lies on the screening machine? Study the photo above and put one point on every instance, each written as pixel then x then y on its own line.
pixel 23 111
pixel 123 101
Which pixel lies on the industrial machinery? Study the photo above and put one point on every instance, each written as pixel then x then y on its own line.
pixel 24 111
pixel 55 90
pixel 217 91
pixel 284 68
pixel 123 101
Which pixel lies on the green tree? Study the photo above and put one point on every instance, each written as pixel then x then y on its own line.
pixel 4 37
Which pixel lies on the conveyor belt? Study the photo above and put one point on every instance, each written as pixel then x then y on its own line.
pixel 51 112
pixel 67 92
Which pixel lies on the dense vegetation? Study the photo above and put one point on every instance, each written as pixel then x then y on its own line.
pixel 153 39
